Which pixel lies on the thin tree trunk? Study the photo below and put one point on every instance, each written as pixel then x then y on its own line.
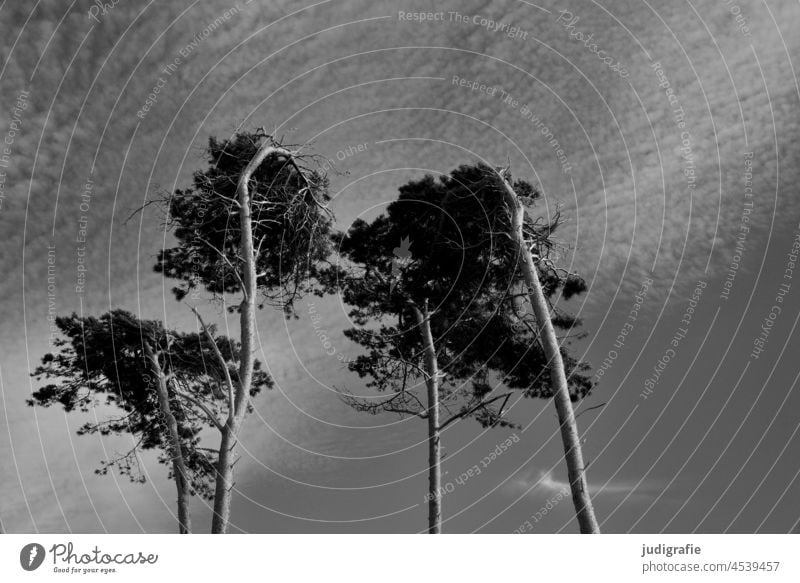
pixel 224 481
pixel 176 452
pixel 569 428
pixel 434 443
pixel 247 308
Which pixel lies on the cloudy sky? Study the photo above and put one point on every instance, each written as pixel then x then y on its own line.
pixel 663 131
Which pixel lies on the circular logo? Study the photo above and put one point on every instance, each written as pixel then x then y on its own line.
pixel 31 556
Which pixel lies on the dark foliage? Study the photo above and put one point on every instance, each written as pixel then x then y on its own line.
pixel 291 225
pixel 102 361
pixel 443 244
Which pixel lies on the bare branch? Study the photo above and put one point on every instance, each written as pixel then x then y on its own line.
pixel 201 405
pixel 388 405
pixel 471 410
pixel 221 359
pixel 591 409
pixel 224 258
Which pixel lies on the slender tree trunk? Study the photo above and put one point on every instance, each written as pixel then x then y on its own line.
pixel 184 516
pixel 569 428
pixel 224 481
pixel 434 442
pixel 247 308
pixel 176 452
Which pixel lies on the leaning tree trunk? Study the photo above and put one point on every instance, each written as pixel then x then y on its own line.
pixel 434 444
pixel 176 452
pixel 569 428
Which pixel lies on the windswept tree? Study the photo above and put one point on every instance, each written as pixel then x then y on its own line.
pixel 168 387
pixel 526 268
pixel 438 275
pixel 253 226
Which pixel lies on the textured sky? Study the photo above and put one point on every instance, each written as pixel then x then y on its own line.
pixel 650 202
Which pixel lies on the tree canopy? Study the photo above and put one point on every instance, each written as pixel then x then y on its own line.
pixel 290 224
pixel 442 243
pixel 102 361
